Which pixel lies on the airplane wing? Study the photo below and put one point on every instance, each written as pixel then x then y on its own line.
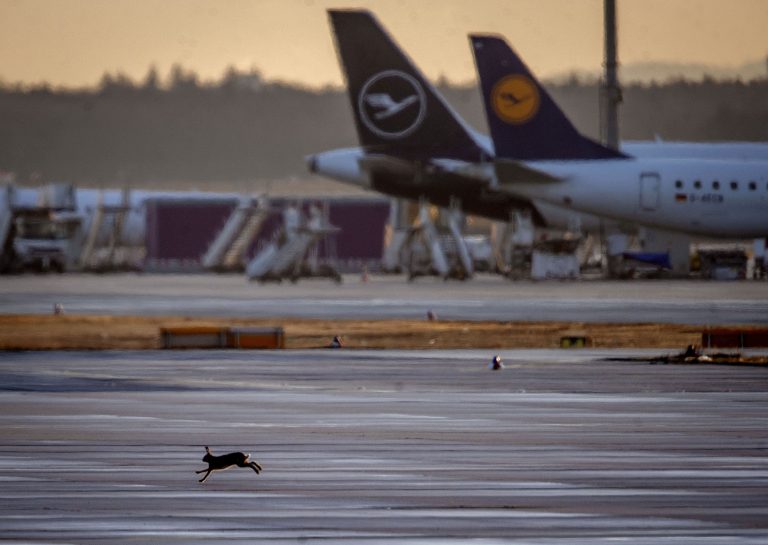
pixel 386 164
pixel 445 180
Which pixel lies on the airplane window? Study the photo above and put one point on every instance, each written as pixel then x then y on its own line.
pixel 752 186
pixel 679 184
pixel 734 185
pixel 715 185
pixel 697 184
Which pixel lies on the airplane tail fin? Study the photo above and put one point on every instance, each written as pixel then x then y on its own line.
pixel 525 123
pixel 397 111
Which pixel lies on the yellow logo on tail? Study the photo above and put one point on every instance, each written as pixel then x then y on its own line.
pixel 515 99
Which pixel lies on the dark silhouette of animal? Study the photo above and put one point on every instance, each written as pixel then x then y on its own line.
pixel 217 463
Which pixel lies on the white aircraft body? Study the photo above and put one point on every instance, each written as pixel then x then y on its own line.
pixel 541 156
pixel 712 198
pixel 425 150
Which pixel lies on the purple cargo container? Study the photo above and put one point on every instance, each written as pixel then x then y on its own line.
pixel 179 231
pixel 360 241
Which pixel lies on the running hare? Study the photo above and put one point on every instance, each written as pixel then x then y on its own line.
pixel 216 463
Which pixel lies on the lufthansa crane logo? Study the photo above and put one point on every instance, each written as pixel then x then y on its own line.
pixel 392 104
pixel 515 99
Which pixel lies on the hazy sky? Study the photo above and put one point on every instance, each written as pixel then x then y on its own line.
pixel 73 42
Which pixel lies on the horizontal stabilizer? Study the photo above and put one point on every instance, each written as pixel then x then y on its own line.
pixel 511 172
pixel 450 174
pixel 386 164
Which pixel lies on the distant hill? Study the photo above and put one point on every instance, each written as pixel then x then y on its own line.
pixel 663 72
pixel 123 133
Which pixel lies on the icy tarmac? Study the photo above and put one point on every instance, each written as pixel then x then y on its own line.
pixel 485 297
pixel 381 447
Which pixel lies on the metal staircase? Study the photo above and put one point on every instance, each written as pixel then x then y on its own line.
pixel 447 254
pixel 104 247
pixel 6 220
pixel 287 255
pixel 227 250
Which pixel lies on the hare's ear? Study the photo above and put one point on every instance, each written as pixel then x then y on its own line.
pixel 207 450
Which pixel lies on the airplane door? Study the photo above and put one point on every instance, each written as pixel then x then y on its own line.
pixel 650 184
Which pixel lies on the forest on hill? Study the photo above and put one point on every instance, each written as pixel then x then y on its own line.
pixel 242 128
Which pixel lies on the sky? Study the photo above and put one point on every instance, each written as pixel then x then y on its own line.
pixel 73 43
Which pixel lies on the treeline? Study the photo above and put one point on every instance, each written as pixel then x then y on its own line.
pixel 242 128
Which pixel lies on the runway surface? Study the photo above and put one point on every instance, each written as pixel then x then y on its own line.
pixel 381 447
pixel 485 297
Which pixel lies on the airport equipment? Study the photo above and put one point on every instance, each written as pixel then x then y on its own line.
pixel 393 249
pixel 222 337
pixel 575 341
pixel 293 252
pixel 735 338
pixel 6 227
pixel 228 249
pixel 106 246
pixel 255 337
pixel 402 213
pixel 438 250
pixel 179 228
pixel 57 196
pixel 723 264
pixel 555 258
pixel 481 252
pixel 45 236
pixel 759 258
pixel 515 246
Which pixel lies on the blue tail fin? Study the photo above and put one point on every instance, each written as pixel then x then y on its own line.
pixel 525 122
pixel 397 111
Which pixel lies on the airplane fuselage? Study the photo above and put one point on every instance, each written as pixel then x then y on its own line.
pixel 476 195
pixel 439 186
pixel 718 198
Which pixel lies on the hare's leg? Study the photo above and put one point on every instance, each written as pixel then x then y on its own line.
pixel 201 471
pixel 205 476
pixel 254 466
pixel 246 463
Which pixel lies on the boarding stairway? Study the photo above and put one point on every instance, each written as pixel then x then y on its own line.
pixel 6 220
pixel 515 246
pixel 287 255
pixel 228 249
pixel 276 263
pixel 465 265
pixel 104 248
pixel 439 252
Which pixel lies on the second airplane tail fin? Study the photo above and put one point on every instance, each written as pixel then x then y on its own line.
pixel 525 123
pixel 397 111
